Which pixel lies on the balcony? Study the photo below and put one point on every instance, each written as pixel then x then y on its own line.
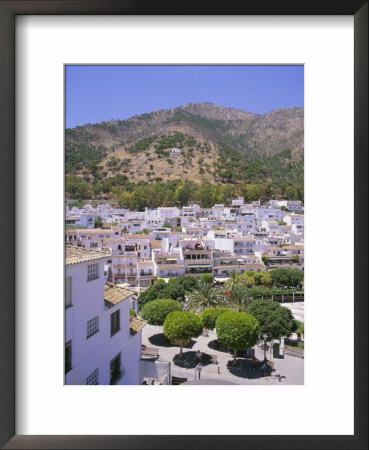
pixel 199 268
pixel 197 256
pixel 146 274
pixel 167 262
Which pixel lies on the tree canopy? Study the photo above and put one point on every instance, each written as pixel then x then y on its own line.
pixel 237 330
pixel 155 192
pixel 182 326
pixel 206 278
pixel 155 312
pixel 287 277
pixel 176 289
pixel 274 319
pixel 98 222
pixel 209 316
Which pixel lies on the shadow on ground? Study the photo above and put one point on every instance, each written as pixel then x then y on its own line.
pixel 216 345
pixel 243 369
pixel 160 340
pixel 189 360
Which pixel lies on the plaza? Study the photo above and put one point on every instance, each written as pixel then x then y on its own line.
pixel 217 362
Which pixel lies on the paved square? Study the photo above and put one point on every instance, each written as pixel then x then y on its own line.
pixel 290 368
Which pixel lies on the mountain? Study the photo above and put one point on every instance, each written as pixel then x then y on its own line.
pixel 222 145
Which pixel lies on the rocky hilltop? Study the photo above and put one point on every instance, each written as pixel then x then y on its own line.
pixel 197 142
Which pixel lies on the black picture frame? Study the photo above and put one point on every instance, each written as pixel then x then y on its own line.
pixel 8 12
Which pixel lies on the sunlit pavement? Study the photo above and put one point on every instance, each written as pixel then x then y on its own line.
pixel 290 368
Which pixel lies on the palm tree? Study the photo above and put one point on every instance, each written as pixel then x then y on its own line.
pixel 206 296
pixel 234 280
pixel 240 298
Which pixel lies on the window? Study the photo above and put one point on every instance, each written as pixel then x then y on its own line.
pixel 68 292
pixel 92 271
pixel 116 372
pixel 68 356
pixel 115 322
pixel 93 244
pixel 92 326
pixel 93 378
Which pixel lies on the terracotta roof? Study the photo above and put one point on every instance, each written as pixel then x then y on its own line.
pixel 76 255
pixel 114 240
pixel 94 231
pixel 114 294
pixel 156 244
pixel 137 236
pixel 136 324
pixel 294 247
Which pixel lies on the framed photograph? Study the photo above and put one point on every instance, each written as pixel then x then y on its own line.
pixel 163 163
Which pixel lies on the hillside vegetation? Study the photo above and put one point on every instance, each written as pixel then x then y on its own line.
pixel 231 150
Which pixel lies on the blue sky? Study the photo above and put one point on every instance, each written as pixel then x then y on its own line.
pixel 101 93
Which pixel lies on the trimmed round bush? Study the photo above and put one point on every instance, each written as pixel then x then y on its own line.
pixel 155 312
pixel 210 315
pixel 275 320
pixel 181 326
pixel 237 331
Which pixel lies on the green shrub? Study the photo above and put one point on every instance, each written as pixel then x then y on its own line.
pixel 210 315
pixel 237 330
pixel 182 326
pixel 155 312
pixel 132 313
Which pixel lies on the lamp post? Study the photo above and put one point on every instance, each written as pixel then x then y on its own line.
pixel 199 369
pixel 265 336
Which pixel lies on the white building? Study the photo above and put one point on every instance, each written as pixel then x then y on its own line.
pixel 243 246
pixel 294 219
pixel 291 205
pixel 102 342
pixel 237 202
pixel 168 264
